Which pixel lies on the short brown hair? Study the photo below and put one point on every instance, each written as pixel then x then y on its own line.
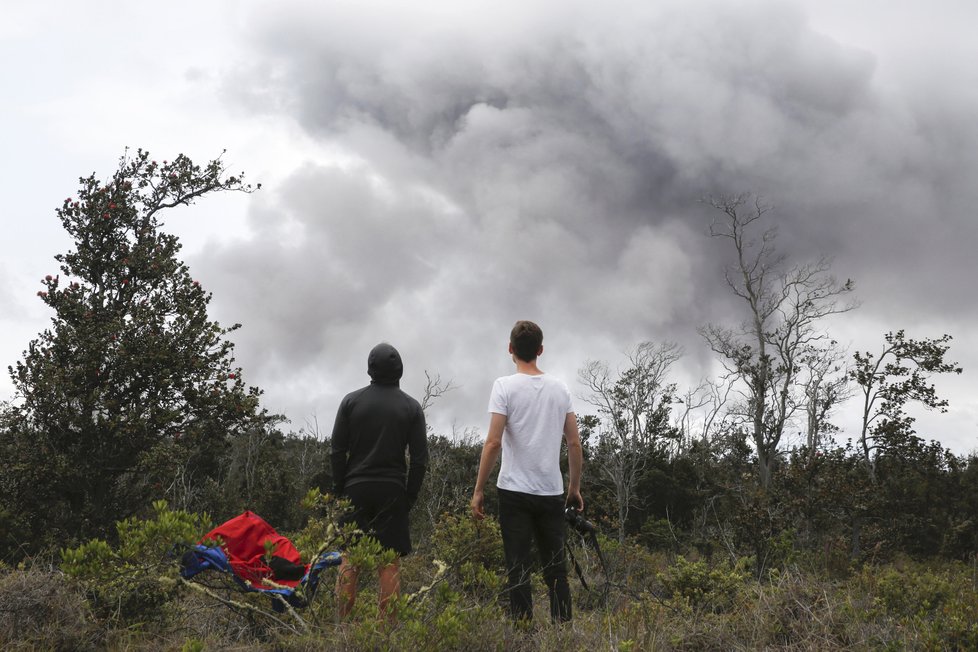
pixel 526 338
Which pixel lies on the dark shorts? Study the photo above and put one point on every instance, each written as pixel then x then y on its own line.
pixel 380 509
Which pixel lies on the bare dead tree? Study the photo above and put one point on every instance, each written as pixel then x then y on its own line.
pixel 784 311
pixel 702 413
pixel 184 490
pixel 633 406
pixel 441 492
pixel 826 386
pixel 312 452
pixel 434 389
pixel 691 401
pixel 246 459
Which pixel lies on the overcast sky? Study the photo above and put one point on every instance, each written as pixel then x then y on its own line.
pixel 434 171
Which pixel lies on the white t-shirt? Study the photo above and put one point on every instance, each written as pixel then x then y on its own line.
pixel 536 408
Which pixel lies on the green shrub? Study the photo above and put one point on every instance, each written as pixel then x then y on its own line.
pixel 444 619
pixel 473 552
pixel 631 566
pixel 657 534
pixel 940 604
pixel 193 645
pixel 322 531
pixel 912 593
pixel 132 581
pixel 697 585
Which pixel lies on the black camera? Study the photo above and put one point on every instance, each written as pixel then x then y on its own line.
pixel 578 522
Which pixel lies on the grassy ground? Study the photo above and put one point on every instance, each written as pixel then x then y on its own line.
pixel 654 603
pixel 129 596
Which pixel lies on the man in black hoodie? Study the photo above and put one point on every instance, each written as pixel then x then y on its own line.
pixel 374 427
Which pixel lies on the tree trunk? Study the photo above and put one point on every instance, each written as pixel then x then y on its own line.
pixel 857 528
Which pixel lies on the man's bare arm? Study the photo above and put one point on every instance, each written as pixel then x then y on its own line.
pixel 575 461
pixel 490 455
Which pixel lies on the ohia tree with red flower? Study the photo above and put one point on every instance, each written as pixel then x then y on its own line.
pixel 131 394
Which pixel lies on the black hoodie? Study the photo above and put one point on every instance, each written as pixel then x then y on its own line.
pixel 374 427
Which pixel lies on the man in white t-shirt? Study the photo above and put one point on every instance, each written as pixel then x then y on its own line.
pixel 531 413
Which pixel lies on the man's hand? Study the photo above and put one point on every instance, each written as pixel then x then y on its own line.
pixel 575 500
pixel 575 462
pixel 477 504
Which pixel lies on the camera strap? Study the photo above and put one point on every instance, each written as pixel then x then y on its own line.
pixel 592 539
pixel 594 542
pixel 577 567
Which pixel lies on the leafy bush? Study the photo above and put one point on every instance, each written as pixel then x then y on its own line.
pixel 133 580
pixel 631 566
pixel 695 584
pixel 940 604
pixel 322 530
pixel 473 553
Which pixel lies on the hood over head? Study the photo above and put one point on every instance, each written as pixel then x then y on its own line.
pixel 384 364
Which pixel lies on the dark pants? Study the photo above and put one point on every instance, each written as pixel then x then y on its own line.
pixel 522 518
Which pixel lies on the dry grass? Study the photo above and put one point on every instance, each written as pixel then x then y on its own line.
pixel 40 611
pixel 789 610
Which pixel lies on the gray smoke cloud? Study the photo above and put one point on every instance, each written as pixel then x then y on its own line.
pixel 505 162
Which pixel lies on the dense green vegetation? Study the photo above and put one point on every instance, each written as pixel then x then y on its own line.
pixel 127 595
pixel 132 431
